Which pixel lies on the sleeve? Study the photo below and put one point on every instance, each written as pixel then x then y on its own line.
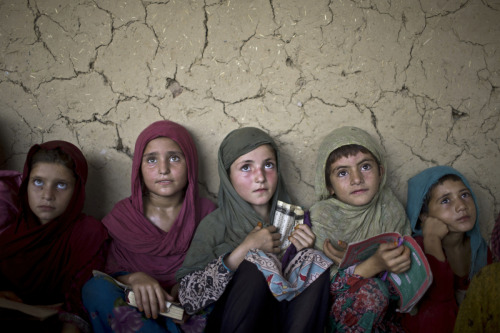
pixel 203 287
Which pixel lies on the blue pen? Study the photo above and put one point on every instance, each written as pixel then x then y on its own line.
pixel 400 242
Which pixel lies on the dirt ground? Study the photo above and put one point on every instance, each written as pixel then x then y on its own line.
pixel 422 76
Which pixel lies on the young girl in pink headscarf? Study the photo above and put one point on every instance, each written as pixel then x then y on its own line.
pixel 151 232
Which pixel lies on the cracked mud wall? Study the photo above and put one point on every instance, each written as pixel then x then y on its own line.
pixel 421 76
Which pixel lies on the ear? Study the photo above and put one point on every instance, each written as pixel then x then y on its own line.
pixel 422 217
pixel 330 190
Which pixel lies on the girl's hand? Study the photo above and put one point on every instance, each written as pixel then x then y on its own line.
pixel 334 254
pixel 433 231
pixel 10 295
pixel 149 295
pixel 266 239
pixel 433 227
pixel 393 258
pixel 302 237
pixel 389 257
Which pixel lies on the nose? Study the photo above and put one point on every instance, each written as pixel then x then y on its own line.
pixel 461 205
pixel 163 167
pixel 356 177
pixel 260 175
pixel 48 193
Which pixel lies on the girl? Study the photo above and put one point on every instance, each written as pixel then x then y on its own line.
pixel 443 213
pixel 215 270
pixel 355 204
pixel 151 232
pixel 50 249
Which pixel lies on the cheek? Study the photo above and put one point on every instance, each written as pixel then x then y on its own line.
pixel 146 174
pixel 272 177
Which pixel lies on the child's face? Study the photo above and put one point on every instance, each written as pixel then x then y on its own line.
pixel 50 189
pixel 452 203
pixel 254 176
pixel 355 179
pixel 163 168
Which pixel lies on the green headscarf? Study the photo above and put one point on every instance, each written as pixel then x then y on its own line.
pixel 225 228
pixel 336 220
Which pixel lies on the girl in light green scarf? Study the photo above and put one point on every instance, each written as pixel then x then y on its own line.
pixel 355 204
pixel 227 262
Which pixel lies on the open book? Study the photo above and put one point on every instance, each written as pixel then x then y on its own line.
pixel 174 310
pixel 410 285
pixel 286 218
pixel 36 312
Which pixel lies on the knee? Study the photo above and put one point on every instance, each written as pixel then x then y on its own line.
pixel 369 294
pixel 96 290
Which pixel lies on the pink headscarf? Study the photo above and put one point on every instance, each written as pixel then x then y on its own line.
pixel 137 244
pixel 9 204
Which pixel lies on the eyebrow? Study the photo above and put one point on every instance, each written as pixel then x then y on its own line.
pixel 170 152
pixel 465 189
pixel 58 180
pixel 368 159
pixel 252 161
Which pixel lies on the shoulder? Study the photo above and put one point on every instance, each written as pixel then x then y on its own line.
pixel 89 225
pixel 121 209
pixel 206 207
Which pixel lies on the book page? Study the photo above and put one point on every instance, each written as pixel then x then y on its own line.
pixel 37 311
pixel 360 251
pixel 286 218
pixel 174 310
pixel 412 284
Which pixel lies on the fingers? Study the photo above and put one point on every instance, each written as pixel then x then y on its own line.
pixel 398 260
pixel 161 298
pixel 151 302
pixel 332 253
pixel 302 237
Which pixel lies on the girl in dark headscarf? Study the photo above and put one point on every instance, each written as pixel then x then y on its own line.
pixel 49 252
pixel 235 244
pixel 151 231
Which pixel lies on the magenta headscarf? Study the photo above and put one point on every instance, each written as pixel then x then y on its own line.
pixel 47 264
pixel 9 203
pixel 137 244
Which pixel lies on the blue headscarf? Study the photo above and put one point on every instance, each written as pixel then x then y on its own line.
pixel 418 186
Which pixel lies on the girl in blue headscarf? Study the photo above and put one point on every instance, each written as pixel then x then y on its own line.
pixel 443 213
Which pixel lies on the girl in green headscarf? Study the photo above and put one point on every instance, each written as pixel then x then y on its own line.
pixel 355 204
pixel 232 251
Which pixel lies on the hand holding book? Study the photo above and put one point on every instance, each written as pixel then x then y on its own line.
pixel 410 283
pixel 168 308
pixel 150 296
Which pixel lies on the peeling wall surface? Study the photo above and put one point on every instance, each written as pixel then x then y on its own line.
pixel 422 76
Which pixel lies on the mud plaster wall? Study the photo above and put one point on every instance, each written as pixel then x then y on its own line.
pixel 422 76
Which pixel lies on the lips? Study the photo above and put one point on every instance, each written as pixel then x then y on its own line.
pixel 464 218
pixel 164 181
pixel 359 192
pixel 260 190
pixel 46 208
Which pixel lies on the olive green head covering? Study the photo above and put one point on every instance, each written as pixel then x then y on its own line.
pixel 226 227
pixel 338 138
pixel 337 220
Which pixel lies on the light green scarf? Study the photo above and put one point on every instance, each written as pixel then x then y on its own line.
pixel 225 228
pixel 336 220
